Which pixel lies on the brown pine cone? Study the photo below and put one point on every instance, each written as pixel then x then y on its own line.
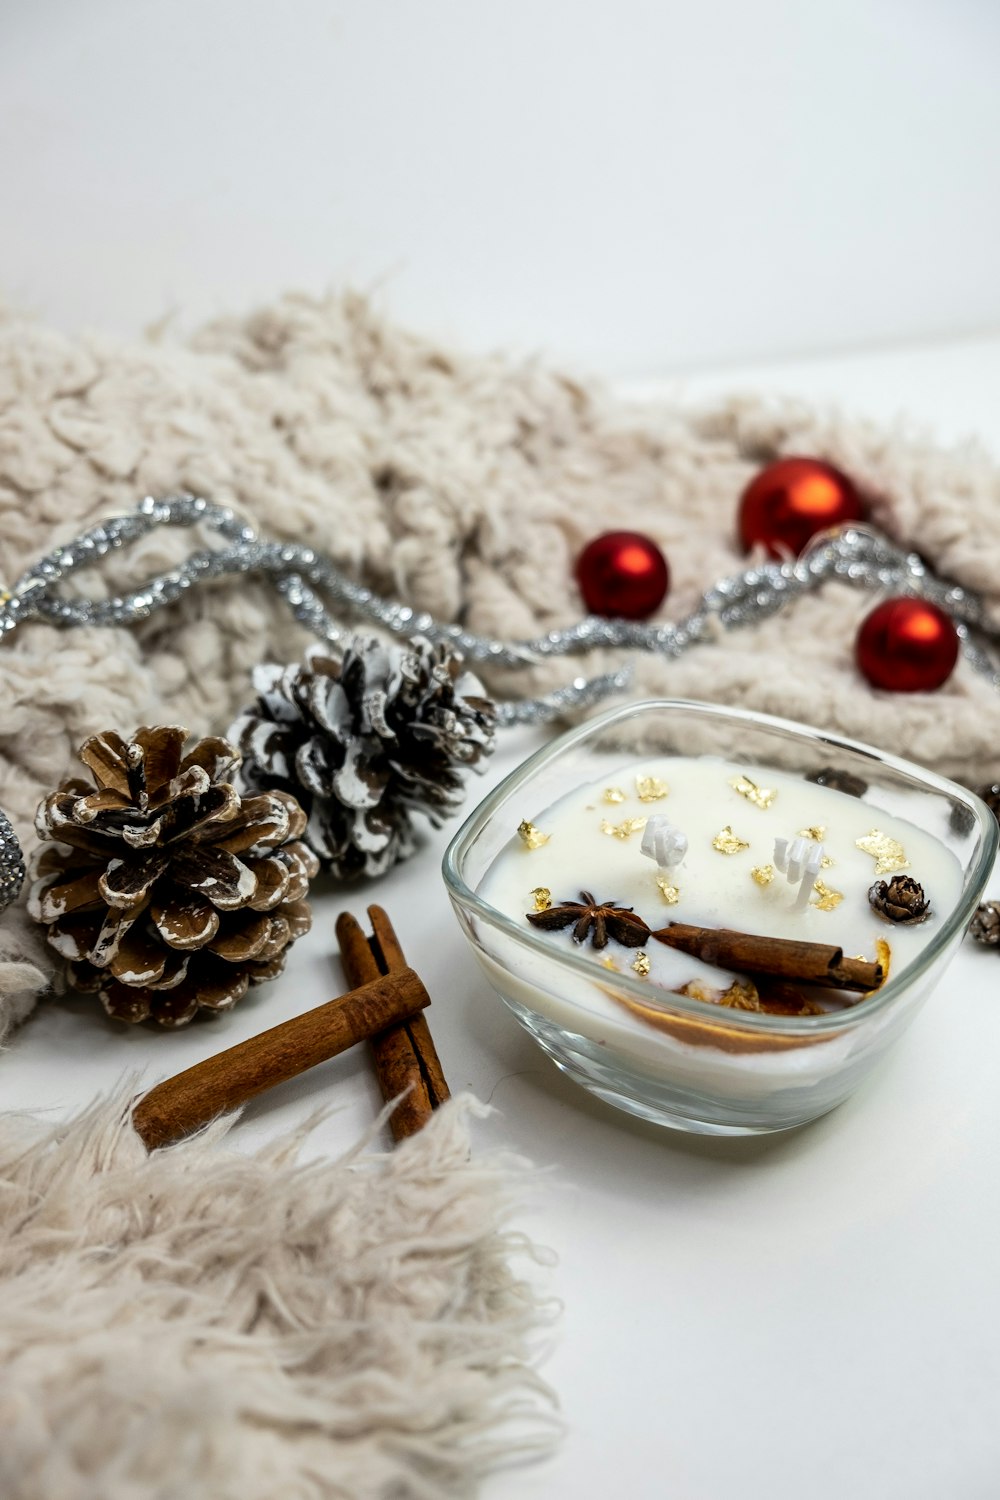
pixel 164 890
pixel 985 925
pixel 901 900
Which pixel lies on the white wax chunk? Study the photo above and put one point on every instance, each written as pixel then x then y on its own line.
pixel 595 845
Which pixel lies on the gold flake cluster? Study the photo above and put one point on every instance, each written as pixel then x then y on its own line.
pixel 827 899
pixel 651 788
pixel 530 836
pixel 888 854
pixel 623 830
pixel 762 874
pixel 728 842
pixel 760 796
pixel 541 897
pixel 667 889
pixel 641 964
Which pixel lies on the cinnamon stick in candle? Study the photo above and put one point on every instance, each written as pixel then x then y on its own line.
pixel 404 1055
pixel 782 958
pixel 179 1105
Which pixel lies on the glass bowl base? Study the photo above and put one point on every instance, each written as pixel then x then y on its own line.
pixel 654 1099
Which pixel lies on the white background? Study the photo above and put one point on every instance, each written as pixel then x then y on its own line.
pixel 646 188
pixel 644 185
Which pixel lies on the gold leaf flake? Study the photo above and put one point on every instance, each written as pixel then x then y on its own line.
pixel 650 788
pixel 883 955
pixel 728 842
pixel 530 836
pixel 623 830
pixel 763 874
pixel 827 862
pixel 641 964
pixel 760 796
pixel 667 890
pixel 816 832
pixel 827 898
pixel 741 994
pixel 542 897
pixel 887 852
pixel 614 794
pixel 610 963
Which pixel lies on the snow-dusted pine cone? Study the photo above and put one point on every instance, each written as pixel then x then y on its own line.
pixel 365 741
pixel 164 889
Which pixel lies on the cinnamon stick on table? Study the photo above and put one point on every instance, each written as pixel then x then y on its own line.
pixel 404 1054
pixel 782 958
pixel 179 1105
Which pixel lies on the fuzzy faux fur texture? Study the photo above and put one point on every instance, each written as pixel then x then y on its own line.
pixel 199 1323
pixel 465 486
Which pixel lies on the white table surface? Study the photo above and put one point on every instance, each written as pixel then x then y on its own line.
pixel 812 1314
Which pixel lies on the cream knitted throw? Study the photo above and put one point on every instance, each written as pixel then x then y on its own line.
pixel 465 486
pixel 200 1325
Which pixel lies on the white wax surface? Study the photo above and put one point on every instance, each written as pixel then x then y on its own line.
pixel 716 889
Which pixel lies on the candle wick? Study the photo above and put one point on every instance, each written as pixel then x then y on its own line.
pixel 662 841
pixel 800 861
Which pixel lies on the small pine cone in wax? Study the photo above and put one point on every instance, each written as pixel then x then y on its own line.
pixel 164 889
pixel 900 900
pixel 985 925
pixel 365 741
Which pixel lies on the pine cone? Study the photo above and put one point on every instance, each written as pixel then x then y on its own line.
pixel 985 925
pixel 901 900
pixel 365 742
pixel 164 889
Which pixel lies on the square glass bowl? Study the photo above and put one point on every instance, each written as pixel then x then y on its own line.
pixel 704 1067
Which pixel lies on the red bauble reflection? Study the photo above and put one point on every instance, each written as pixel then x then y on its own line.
pixel 793 499
pixel 622 574
pixel 907 646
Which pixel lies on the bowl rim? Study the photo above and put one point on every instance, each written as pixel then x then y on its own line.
pixel 978 871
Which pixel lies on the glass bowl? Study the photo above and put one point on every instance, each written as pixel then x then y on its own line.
pixel 703 1067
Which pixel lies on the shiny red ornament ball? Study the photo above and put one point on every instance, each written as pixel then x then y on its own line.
pixel 907 646
pixel 622 574
pixel 793 499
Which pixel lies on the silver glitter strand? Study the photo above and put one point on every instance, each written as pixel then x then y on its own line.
pixel 311 583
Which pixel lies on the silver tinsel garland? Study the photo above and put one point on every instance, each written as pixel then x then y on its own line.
pixel 311 582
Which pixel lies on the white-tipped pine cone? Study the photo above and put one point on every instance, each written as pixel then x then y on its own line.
pixel 366 741
pixel 164 890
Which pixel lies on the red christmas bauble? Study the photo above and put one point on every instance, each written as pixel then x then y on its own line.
pixel 793 499
pixel 622 574
pixel 907 646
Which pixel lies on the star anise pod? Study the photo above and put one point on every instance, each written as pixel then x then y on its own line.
pixel 597 920
pixel 902 900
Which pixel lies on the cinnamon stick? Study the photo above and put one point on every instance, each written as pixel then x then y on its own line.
pixel 179 1105
pixel 405 1058
pixel 783 958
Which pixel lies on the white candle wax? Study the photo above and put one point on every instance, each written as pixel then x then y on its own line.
pixel 590 840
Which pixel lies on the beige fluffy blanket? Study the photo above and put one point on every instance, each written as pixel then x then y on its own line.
pixel 201 1325
pixel 465 486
